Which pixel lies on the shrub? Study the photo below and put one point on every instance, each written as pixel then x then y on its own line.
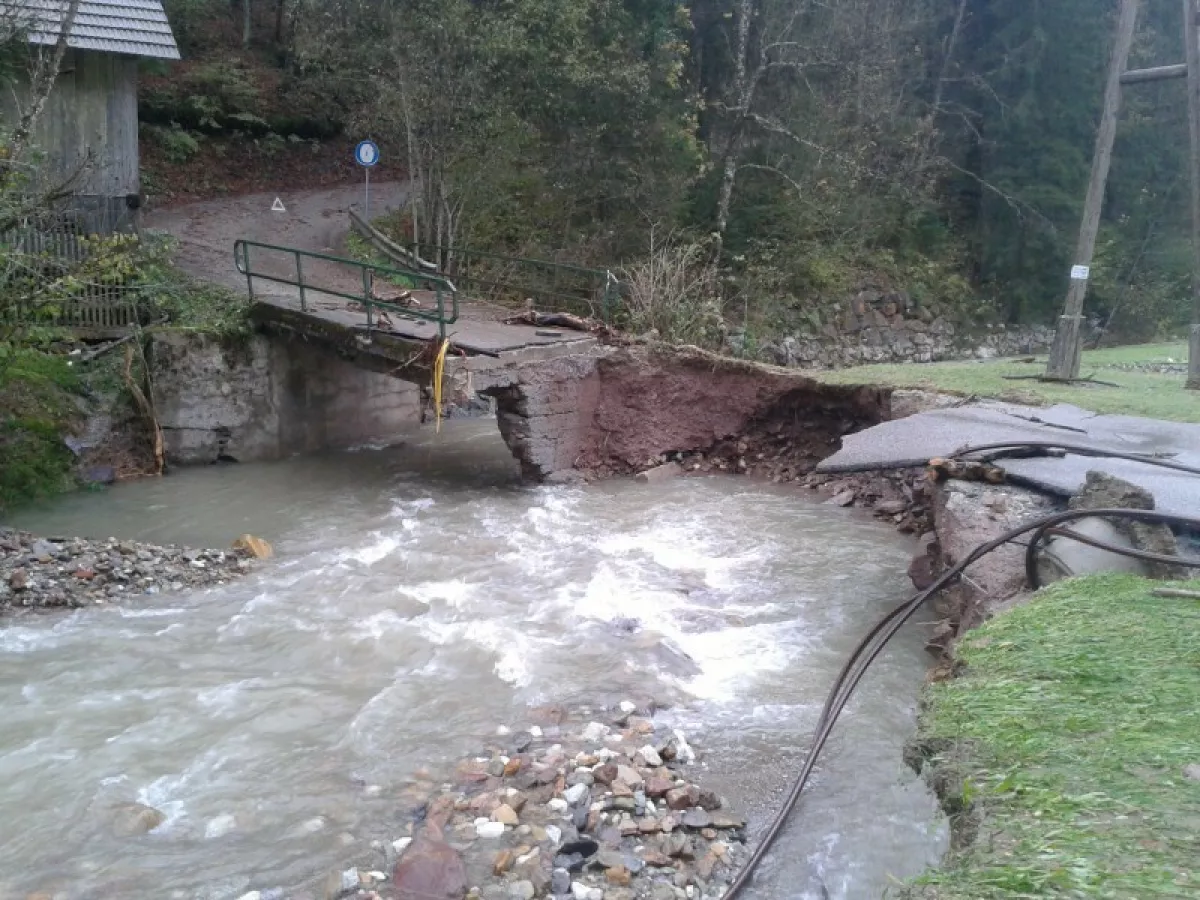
pixel 675 293
pixel 178 145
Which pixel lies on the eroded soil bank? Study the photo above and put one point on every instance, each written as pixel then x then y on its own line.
pixel 626 409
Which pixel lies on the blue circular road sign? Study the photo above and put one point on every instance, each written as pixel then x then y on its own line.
pixel 366 153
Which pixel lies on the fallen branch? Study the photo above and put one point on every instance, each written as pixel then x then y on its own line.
pixel 96 354
pixel 1175 592
pixel 144 404
pixel 1091 379
pixel 551 320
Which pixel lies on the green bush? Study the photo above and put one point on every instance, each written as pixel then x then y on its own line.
pixel 178 145
pixel 34 462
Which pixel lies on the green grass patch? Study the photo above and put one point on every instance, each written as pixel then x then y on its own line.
pixel 1066 739
pixel 38 406
pixel 1141 390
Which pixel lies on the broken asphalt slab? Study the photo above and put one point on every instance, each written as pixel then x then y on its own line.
pixel 914 440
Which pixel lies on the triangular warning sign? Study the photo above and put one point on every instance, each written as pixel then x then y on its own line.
pixel 277 206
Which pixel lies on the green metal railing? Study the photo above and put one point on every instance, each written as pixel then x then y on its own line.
pixel 562 286
pixel 245 252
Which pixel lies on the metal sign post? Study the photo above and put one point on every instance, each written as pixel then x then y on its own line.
pixel 366 154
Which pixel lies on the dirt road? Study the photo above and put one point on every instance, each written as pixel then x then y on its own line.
pixel 311 220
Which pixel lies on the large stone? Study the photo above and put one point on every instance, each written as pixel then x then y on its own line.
pixel 1104 491
pixel 131 819
pixel 431 869
pixel 505 815
pixel 253 546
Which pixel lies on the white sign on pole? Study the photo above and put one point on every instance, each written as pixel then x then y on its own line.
pixel 1080 273
pixel 277 206
pixel 366 154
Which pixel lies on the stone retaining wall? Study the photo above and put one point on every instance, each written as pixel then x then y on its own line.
pixel 874 327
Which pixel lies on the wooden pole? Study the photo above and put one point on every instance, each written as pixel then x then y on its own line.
pixel 1191 37
pixel 1064 354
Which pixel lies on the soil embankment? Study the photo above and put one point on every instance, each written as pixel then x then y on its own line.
pixel 630 408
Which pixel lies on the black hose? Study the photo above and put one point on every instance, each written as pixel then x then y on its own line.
pixel 1015 447
pixel 873 644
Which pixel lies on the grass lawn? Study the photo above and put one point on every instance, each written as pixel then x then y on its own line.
pixel 1142 392
pixel 1068 740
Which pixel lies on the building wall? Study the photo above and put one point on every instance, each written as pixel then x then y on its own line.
pixel 93 108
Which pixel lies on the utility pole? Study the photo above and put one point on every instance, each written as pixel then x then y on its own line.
pixel 1191 37
pixel 1065 352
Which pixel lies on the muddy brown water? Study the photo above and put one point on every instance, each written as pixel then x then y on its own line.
pixel 420 597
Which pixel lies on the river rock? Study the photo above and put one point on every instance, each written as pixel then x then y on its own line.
pixel 618 875
pixel 649 756
pixel 432 869
pixel 594 732
pixel 581 891
pixel 696 818
pixel 605 774
pixel 503 862
pixel 253 546
pixel 131 819
pixel 575 793
pixel 725 820
pixel 505 815
pixel 489 830
pixel 657 786
pixel 522 890
pixel 683 797
pixel 629 776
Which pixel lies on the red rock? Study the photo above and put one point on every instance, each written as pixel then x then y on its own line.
pixel 683 798
pixel 605 774
pixel 512 767
pixel 84 574
pixel 431 869
pixel 654 858
pixel 657 787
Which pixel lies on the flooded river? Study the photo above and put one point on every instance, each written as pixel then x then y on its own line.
pixel 419 598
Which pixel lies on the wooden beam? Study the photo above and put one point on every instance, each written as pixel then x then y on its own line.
pixel 1065 352
pixel 1159 73
pixel 1191 40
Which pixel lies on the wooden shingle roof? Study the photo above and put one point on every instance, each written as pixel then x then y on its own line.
pixel 131 27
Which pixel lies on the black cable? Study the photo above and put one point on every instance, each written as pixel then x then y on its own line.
pixel 873 644
pixel 1077 449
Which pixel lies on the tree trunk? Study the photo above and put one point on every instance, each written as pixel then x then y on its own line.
pixel 741 90
pixel 246 20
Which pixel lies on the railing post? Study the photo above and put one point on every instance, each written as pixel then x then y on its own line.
pixel 441 300
pixel 249 276
pixel 300 282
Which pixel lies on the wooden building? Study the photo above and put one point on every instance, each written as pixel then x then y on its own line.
pixel 89 129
